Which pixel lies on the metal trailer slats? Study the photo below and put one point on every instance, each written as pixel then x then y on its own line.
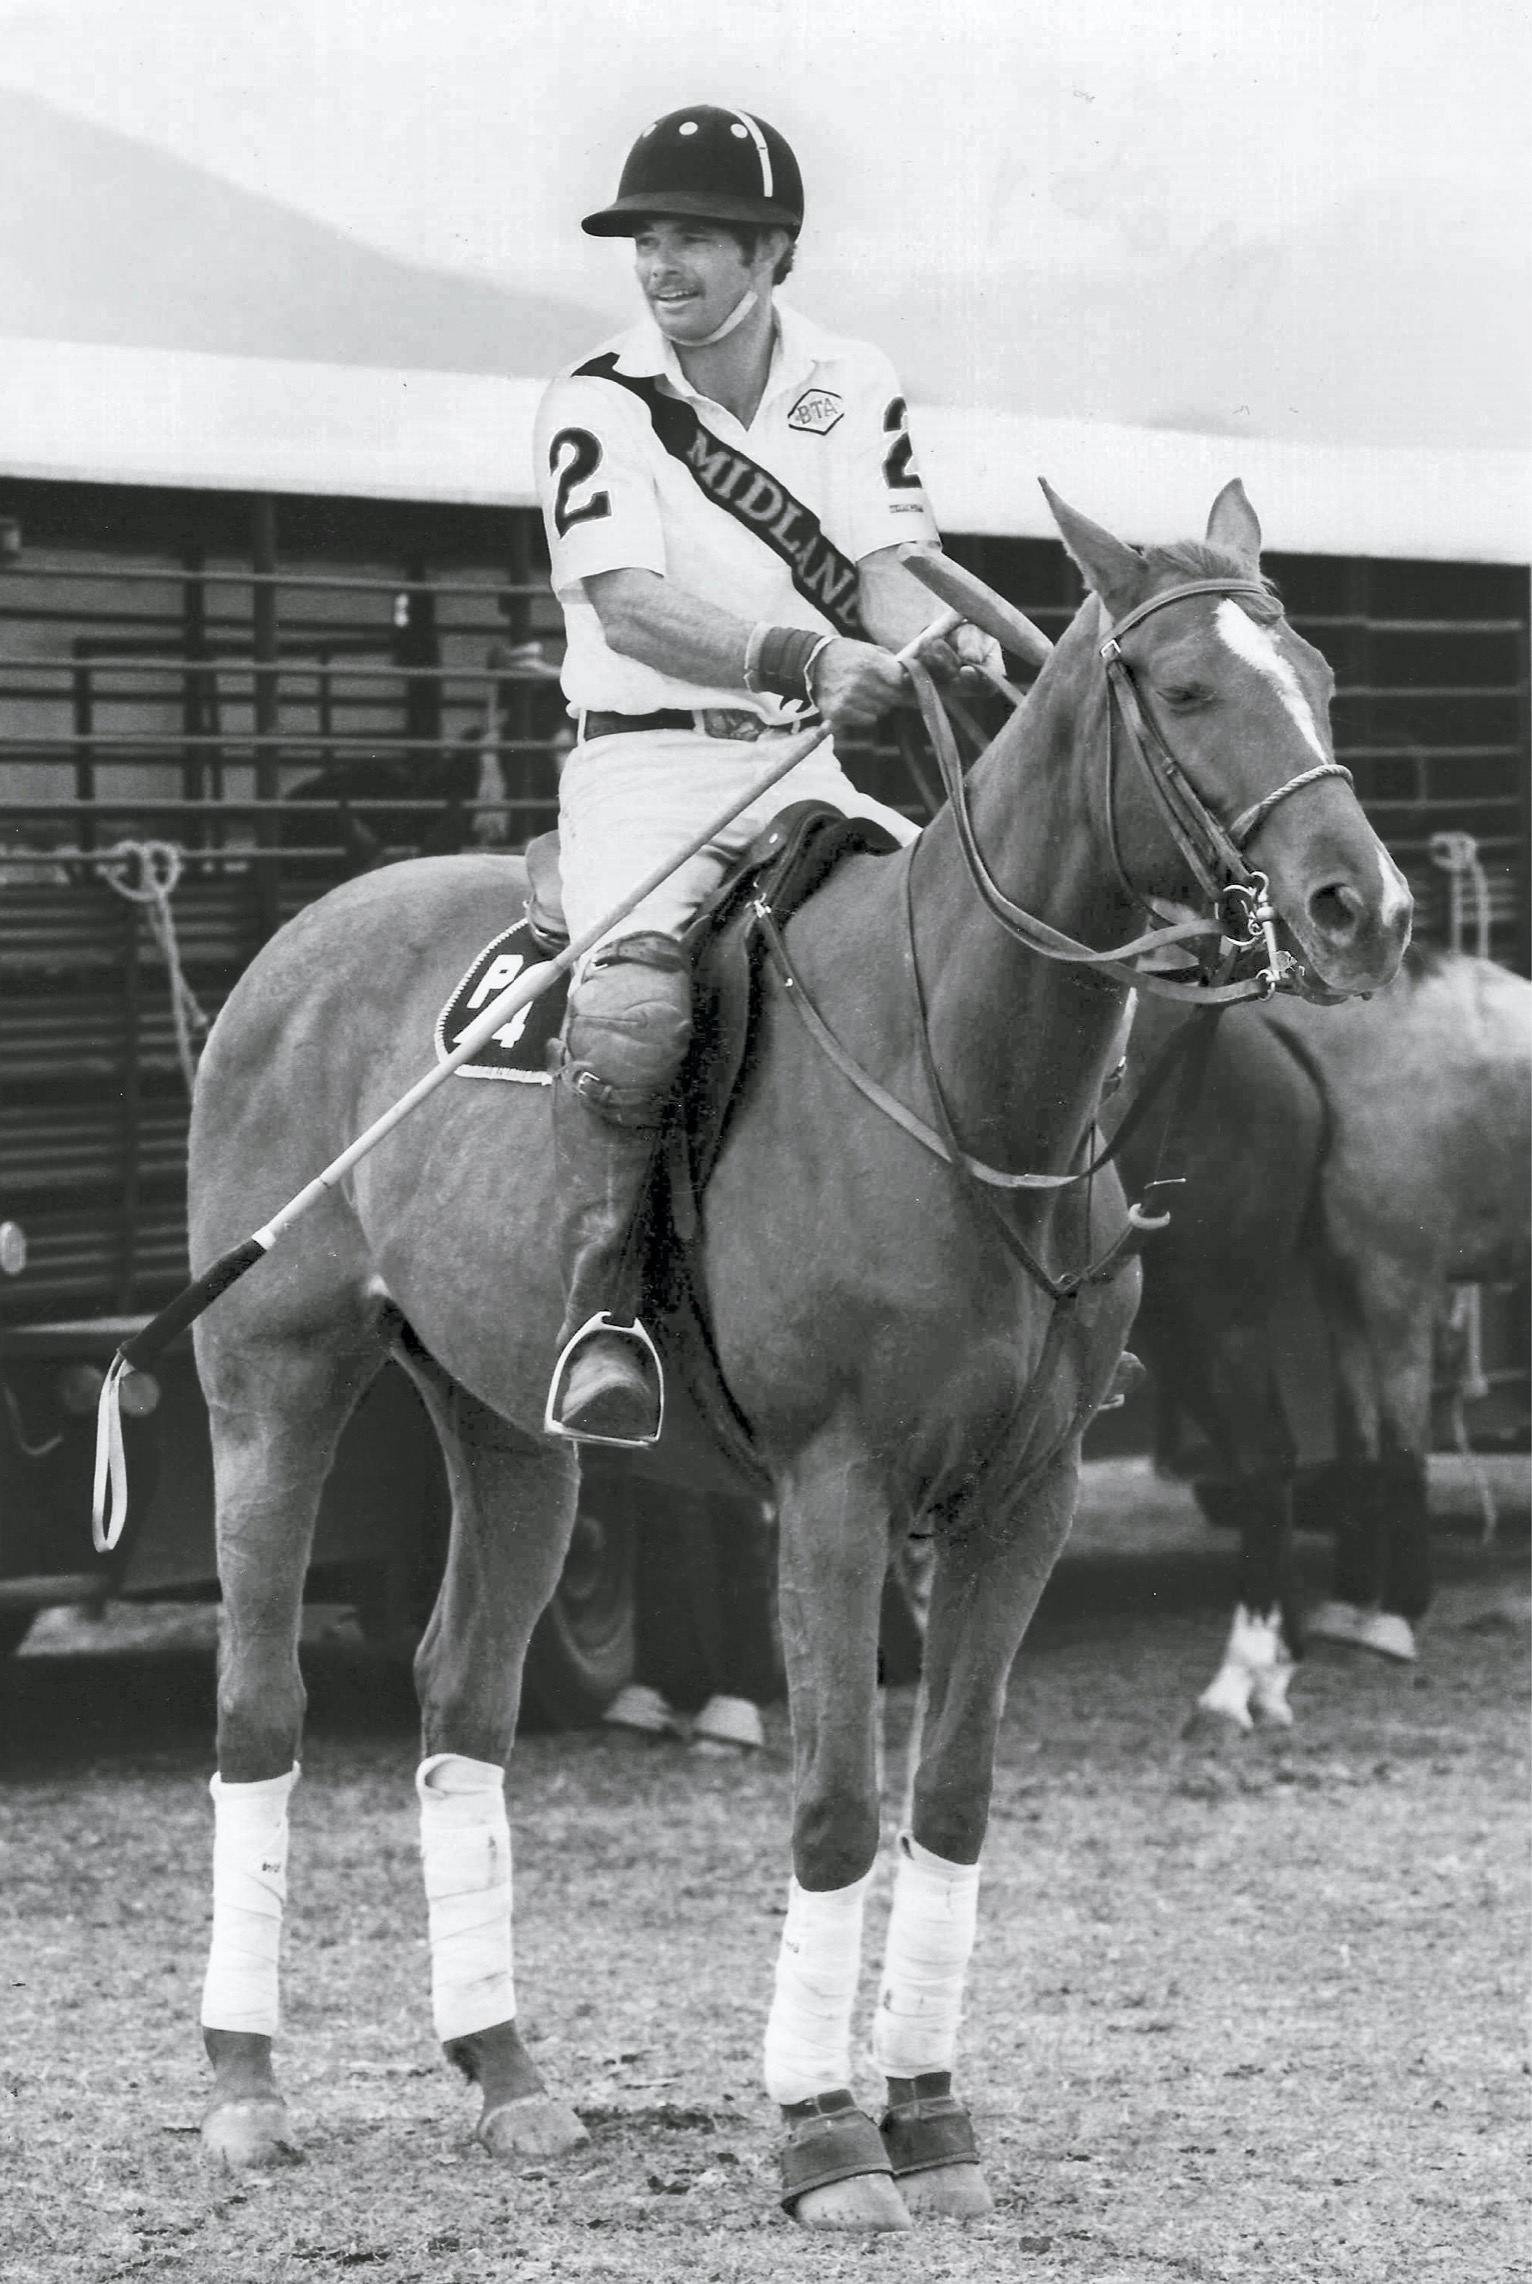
pixel 286 691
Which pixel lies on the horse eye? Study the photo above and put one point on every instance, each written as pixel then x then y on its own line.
pixel 1185 694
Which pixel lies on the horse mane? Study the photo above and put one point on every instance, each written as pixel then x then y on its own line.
pixel 1196 559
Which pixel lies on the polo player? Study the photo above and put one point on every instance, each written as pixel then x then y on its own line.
pixel 726 488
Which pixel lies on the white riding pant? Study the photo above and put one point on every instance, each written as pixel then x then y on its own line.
pixel 626 803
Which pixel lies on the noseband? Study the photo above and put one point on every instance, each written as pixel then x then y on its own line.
pixel 1210 848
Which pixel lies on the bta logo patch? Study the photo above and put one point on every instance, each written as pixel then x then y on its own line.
pixel 817 410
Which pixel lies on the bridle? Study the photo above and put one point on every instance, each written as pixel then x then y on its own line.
pixel 1241 898
pixel 1211 849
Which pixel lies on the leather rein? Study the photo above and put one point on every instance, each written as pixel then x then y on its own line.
pixel 1210 849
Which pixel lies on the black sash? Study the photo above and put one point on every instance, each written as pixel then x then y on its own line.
pixel 761 502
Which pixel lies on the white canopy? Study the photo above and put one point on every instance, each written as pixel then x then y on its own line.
pixel 168 417
pixel 1135 249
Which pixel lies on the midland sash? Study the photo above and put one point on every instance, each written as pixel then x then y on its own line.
pixel 761 502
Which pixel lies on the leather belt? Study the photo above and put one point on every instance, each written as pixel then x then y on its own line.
pixel 735 723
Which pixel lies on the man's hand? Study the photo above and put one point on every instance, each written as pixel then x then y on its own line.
pixel 965 656
pixel 855 683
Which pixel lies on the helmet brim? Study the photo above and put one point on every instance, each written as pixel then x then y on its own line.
pixel 625 217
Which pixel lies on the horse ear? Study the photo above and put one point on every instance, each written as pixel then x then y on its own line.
pixel 1113 571
pixel 1232 524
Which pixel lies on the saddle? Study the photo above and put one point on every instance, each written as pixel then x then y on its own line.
pixel 779 872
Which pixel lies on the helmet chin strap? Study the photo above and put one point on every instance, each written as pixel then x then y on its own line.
pixel 735 318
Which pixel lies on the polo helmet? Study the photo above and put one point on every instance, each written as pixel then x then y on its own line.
pixel 709 164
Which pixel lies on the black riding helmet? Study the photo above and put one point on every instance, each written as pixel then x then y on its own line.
pixel 711 165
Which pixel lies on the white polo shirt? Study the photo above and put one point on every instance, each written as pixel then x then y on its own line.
pixel 637 471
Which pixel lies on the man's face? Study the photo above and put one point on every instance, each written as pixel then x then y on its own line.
pixel 693 275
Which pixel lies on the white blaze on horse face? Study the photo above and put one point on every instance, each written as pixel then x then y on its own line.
pixel 1257 648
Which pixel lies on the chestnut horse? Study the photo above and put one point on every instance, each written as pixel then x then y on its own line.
pixel 1343 1166
pixel 898 1350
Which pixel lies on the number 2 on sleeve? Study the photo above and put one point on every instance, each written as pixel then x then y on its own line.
pixel 584 459
pixel 898 474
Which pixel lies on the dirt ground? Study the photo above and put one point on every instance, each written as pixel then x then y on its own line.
pixel 1240 2009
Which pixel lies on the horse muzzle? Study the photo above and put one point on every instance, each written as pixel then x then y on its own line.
pixel 1347 930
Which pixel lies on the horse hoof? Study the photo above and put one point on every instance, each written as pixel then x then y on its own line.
pixel 247 2133
pixel 861 2201
pixel 534 2126
pixel 947 2192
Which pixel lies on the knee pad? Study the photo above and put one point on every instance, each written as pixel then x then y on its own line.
pixel 628 1029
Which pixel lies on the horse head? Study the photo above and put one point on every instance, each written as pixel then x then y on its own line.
pixel 1223 700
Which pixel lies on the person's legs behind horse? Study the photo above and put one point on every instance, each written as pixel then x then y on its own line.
pixel 626 1036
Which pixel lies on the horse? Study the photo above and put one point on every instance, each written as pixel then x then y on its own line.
pixel 897 1350
pixel 1339 1174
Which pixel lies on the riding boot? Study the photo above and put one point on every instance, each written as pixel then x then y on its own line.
pixel 606 1384
pixel 627 1033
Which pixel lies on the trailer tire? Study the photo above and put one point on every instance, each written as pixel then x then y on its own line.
pixel 581 1653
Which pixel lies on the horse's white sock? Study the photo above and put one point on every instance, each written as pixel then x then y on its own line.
pixel 930 1941
pixel 465 1851
pixel 239 1991
pixel 808 2032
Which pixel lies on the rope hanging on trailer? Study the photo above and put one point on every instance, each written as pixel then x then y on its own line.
pixel 1457 855
pixel 160 865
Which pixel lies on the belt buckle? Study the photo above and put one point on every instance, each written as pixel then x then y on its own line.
pixel 733 723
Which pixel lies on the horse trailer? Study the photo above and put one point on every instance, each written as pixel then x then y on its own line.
pixel 216 704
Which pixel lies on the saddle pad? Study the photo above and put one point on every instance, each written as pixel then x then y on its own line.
pixel 519 1049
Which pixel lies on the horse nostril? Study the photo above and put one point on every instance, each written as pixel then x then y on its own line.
pixel 1336 911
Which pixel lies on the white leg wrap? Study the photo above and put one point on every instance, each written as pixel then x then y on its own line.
pixel 930 1942
pixel 1253 1665
pixel 808 2032
pixel 239 1991
pixel 465 1851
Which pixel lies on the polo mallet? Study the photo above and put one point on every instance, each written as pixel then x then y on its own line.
pixel 109 1500
pixel 966 594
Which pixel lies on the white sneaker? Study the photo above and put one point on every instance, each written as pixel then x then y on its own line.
pixel 1335 1622
pixel 1389 1635
pixel 642 1708
pixel 729 1724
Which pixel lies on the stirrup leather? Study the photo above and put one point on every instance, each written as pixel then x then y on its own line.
pixel 601 1322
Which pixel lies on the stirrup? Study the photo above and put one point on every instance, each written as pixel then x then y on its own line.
pixel 602 1321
